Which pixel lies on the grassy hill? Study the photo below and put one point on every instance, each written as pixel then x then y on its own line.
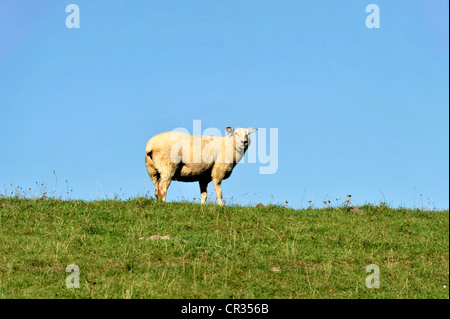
pixel 212 252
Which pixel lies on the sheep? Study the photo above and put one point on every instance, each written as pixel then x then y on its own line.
pixel 178 156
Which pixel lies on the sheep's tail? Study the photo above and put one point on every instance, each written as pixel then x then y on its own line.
pixel 149 154
pixel 150 164
pixel 149 157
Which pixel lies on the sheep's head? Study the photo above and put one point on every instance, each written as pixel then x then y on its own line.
pixel 242 136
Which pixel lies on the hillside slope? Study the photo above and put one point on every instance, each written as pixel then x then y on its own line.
pixel 141 248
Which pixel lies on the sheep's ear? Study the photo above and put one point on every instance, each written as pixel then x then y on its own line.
pixel 229 130
pixel 251 130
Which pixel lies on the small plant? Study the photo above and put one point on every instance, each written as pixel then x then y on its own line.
pixel 326 204
pixel 348 201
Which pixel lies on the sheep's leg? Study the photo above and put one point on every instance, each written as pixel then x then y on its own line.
pixel 203 190
pixel 155 178
pixel 164 184
pixel 218 187
pixel 156 182
pixel 153 173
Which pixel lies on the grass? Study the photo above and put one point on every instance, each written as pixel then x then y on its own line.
pixel 213 252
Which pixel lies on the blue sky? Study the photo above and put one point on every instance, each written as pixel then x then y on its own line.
pixel 359 111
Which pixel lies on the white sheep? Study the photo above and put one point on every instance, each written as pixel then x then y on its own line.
pixel 191 158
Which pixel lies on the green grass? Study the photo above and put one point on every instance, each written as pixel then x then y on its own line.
pixel 213 252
